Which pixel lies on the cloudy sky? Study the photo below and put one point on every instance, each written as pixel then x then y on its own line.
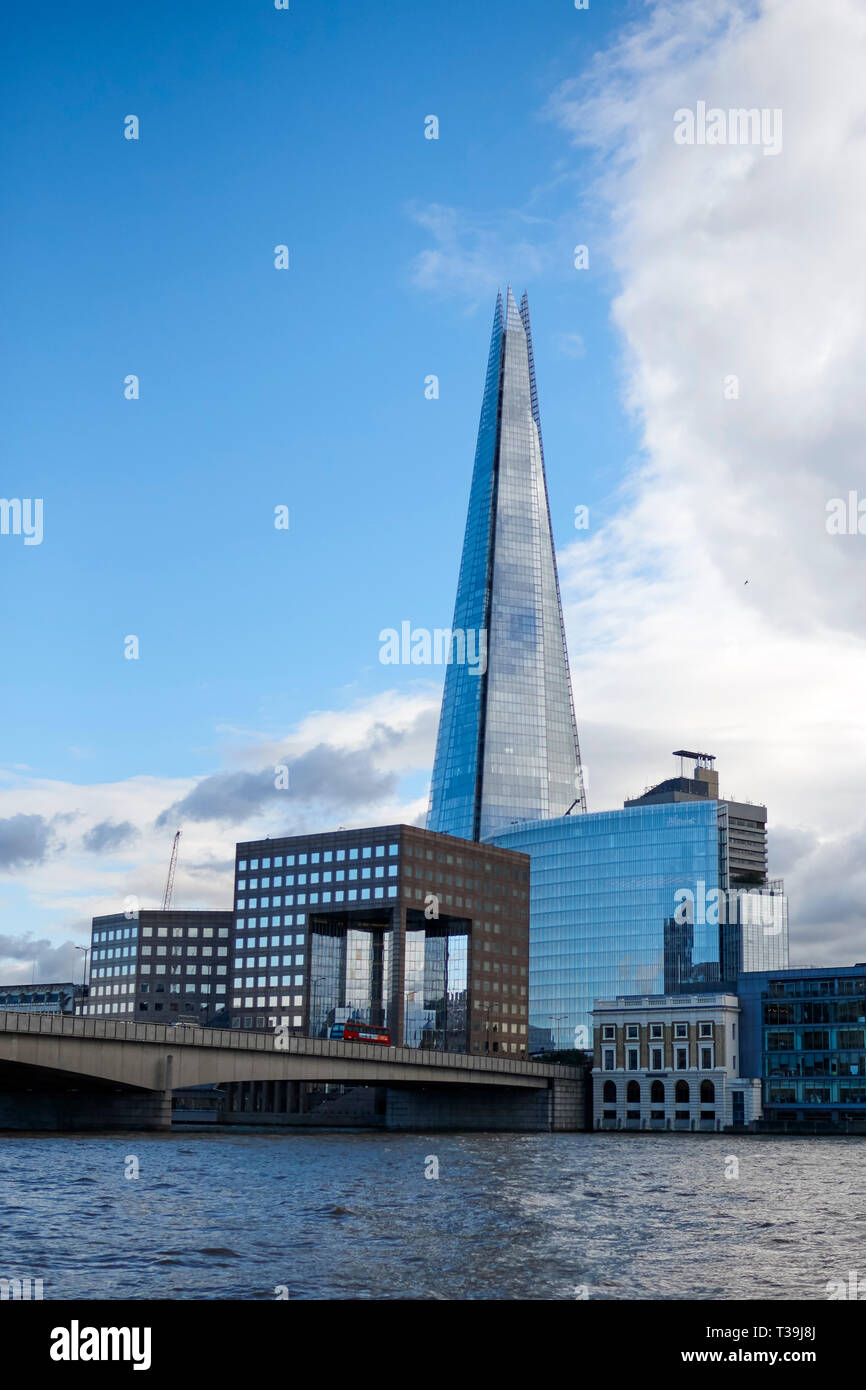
pixel 700 389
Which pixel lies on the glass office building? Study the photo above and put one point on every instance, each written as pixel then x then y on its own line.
pixel 804 1033
pixel 507 748
pixel 604 894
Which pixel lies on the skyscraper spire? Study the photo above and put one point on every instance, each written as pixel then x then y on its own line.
pixel 507 748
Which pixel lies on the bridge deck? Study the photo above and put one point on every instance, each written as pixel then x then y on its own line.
pixel 237 1054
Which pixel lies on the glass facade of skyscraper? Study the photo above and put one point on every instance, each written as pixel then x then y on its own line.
pixel 507 747
pixel 604 892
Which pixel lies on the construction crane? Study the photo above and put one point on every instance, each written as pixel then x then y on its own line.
pixel 169 882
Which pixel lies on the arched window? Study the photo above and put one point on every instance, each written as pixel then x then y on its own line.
pixel 610 1093
pixel 632 1094
pixel 657 1093
pixel 708 1093
pixel 681 1094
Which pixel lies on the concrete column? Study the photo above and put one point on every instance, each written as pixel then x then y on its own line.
pixel 166 1093
pixel 398 968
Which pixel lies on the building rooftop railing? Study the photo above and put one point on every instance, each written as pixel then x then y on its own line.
pixel 664 1001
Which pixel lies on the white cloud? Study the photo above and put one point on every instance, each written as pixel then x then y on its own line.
pixel 731 262
pixel 472 256
pixel 56 897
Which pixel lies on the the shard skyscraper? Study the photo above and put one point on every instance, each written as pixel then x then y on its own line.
pixel 507 749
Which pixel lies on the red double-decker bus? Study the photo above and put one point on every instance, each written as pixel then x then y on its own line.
pixel 361 1032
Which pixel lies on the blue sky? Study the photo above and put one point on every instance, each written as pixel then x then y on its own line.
pixel 260 387
pixel 305 388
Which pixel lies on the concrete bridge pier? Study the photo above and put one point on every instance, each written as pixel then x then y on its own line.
pixel 557 1107
pixel 72 1111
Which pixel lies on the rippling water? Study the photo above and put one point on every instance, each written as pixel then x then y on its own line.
pixel 351 1215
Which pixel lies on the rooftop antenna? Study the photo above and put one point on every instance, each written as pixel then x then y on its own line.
pixel 169 882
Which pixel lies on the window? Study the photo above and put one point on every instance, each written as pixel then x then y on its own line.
pixel 631 1030
pixel 681 1030
pixel 632 1094
pixel 657 1030
pixel 708 1093
pixel 657 1093
pixel 608 1032
pixel 706 1030
pixel 632 1062
pixel 656 1063
pixel 682 1058
pixel 706 1058
pixel 681 1094
pixel 609 1093
pixel 609 1059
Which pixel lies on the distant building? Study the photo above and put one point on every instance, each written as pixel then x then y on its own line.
pixel 742 825
pixel 157 966
pixel 603 898
pixel 671 1062
pixel 423 934
pixel 668 895
pixel 63 998
pixel 804 1032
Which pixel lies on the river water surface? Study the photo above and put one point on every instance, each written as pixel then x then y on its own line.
pixel 510 1216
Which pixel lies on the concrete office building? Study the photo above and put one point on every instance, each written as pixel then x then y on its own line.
pixel 420 933
pixel 671 1063
pixel 157 966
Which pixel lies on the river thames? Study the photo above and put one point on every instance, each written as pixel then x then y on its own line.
pixel 335 1214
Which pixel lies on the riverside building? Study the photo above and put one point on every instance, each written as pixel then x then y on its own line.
pixel 654 899
pixel 394 926
pixel 804 1033
pixel 671 1063
pixel 157 966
